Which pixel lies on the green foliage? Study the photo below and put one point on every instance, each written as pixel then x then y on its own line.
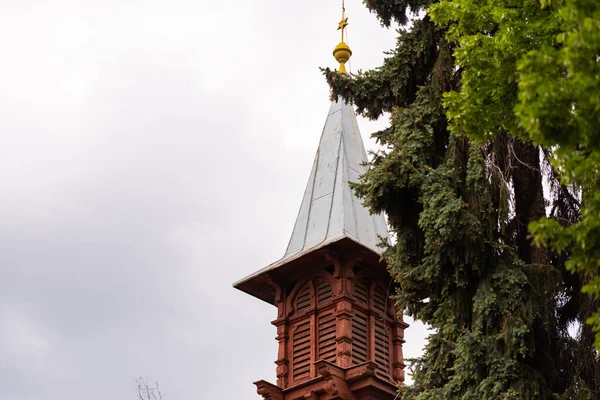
pixel 559 106
pixel 460 180
pixel 559 97
pixel 492 35
pixel 532 70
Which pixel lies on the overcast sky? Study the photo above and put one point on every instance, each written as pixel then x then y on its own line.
pixel 151 154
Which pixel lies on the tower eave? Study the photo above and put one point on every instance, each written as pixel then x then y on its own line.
pixel 261 283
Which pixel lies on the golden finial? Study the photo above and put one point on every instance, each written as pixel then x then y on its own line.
pixel 342 52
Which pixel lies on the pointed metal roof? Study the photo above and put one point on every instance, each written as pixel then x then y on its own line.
pixel 329 209
pixel 330 212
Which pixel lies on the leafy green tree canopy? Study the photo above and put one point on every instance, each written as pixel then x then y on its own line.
pixel 534 71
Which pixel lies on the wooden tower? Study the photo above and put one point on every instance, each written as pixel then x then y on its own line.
pixel 339 335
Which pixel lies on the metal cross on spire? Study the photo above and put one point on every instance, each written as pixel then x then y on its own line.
pixel 344 22
pixel 342 52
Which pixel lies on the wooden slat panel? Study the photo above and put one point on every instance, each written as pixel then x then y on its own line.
pixel 361 292
pixel 301 351
pixel 303 300
pixel 359 338
pixel 327 334
pixel 382 350
pixel 324 292
pixel 302 340
pixel 379 299
pixel 304 327
pixel 329 347
pixel 328 327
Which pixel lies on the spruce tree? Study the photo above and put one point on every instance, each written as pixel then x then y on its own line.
pixel 459 196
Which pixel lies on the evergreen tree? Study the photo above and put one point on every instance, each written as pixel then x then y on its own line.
pixel 460 189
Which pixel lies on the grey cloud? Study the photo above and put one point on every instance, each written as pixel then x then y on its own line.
pixel 150 155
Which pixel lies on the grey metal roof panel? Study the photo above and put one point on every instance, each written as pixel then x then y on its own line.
pixel 329 206
pixel 330 211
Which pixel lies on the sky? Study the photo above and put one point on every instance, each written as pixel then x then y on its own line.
pixel 151 154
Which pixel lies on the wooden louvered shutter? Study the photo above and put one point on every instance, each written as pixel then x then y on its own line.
pixel 361 292
pixel 382 349
pixel 301 351
pixel 324 292
pixel 327 344
pixel 303 300
pixel 379 300
pixel 359 338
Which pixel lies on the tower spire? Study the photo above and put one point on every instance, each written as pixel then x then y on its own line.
pixel 339 335
pixel 342 52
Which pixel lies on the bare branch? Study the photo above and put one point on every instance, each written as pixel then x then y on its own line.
pixel 147 392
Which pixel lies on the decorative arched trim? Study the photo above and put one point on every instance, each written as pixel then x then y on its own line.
pixel 293 294
pixel 291 298
pixel 304 300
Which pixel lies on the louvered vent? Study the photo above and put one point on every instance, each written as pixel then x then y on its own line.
pixel 301 351
pixel 324 293
pixel 379 300
pixel 327 344
pixel 361 292
pixel 359 338
pixel 382 350
pixel 303 300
